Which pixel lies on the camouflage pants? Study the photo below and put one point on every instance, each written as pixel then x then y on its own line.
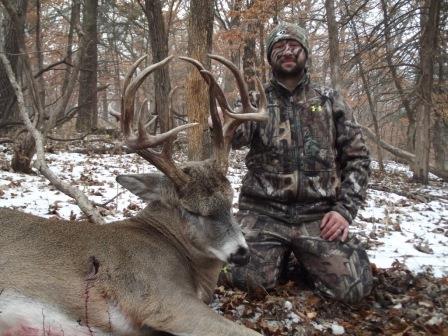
pixel 338 270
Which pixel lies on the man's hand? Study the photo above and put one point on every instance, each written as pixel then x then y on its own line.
pixel 333 226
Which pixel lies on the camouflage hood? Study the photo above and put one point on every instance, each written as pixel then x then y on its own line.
pixel 287 31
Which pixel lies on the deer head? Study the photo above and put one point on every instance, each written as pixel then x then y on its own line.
pixel 199 190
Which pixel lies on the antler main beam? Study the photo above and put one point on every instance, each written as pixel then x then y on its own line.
pixel 142 142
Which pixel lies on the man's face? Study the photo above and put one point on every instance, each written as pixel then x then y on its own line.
pixel 288 57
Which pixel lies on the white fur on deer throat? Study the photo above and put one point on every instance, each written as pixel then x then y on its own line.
pixel 229 247
pixel 18 311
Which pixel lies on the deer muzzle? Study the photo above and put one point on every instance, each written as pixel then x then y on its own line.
pixel 241 257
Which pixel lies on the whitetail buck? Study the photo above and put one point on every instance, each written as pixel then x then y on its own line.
pixel 147 275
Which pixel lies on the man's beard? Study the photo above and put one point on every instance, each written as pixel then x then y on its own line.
pixel 279 71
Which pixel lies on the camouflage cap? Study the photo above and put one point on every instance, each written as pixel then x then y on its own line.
pixel 286 31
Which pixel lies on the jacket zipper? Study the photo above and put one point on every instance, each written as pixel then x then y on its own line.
pixel 296 140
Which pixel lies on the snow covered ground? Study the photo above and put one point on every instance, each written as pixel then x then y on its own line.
pixel 401 220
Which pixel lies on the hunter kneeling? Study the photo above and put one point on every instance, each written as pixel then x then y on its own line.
pixel 308 169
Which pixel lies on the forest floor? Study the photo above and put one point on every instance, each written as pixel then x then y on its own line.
pixel 404 227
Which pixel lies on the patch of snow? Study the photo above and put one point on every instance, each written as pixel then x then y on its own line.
pixel 336 329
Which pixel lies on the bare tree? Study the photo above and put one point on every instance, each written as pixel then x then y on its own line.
pixel 428 50
pixel 74 22
pixel 200 32
pixel 12 35
pixel 158 34
pixel 370 97
pixel 88 76
pixel 440 133
pixel 333 38
pixel 39 52
pixel 250 60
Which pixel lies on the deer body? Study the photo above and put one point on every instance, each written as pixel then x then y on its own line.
pixel 88 266
pixel 142 275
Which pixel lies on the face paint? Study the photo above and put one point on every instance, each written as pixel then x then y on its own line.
pixel 286 48
pixel 288 57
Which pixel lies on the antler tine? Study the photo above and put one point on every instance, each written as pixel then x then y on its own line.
pixel 130 90
pixel 170 98
pixel 218 93
pixel 217 130
pixel 130 73
pixel 194 62
pixel 244 92
pixel 142 142
pixel 125 124
pixel 223 134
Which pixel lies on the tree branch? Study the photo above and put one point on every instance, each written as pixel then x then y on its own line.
pixel 401 153
pixel 50 67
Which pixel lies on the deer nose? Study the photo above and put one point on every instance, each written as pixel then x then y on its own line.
pixel 241 257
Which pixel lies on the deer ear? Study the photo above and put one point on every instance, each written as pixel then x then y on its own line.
pixel 146 186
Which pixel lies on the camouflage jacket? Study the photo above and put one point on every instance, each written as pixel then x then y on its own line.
pixel 308 159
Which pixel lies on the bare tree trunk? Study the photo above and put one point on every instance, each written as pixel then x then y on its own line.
pixel 333 38
pixel 440 141
pixel 112 39
pixel 23 149
pixel 159 45
pixel 103 94
pixel 263 67
pixel 250 54
pixel 40 55
pixel 74 21
pixel 235 21
pixel 275 16
pixel 88 77
pixel 428 50
pixel 440 134
pixel 24 146
pixel 8 105
pixel 200 33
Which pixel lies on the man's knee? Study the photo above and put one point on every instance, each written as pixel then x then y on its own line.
pixel 353 289
pixel 341 271
pixel 354 285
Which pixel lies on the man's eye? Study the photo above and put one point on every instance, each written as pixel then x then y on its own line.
pixel 279 45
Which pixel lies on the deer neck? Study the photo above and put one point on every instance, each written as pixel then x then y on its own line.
pixel 168 223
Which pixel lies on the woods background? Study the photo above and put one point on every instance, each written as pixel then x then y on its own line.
pixel 388 58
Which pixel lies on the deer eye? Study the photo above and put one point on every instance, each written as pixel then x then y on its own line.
pixel 189 214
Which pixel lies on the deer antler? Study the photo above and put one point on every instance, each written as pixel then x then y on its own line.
pixel 222 133
pixel 143 141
